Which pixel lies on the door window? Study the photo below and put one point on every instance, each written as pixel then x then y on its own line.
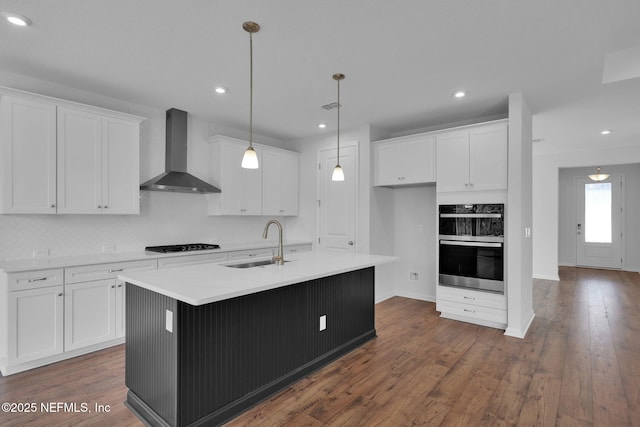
pixel 597 212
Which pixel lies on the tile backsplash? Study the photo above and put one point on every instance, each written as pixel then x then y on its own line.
pixel 165 218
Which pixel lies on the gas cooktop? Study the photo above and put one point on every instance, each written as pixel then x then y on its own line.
pixel 182 248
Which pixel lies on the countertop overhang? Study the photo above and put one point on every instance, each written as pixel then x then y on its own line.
pixel 206 283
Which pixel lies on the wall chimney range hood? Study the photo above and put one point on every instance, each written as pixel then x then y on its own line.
pixel 175 178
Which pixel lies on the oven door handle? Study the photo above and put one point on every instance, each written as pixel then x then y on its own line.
pixel 462 243
pixel 470 215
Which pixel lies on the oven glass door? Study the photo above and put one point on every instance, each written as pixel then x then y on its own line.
pixel 478 265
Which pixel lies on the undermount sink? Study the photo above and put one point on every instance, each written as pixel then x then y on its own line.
pixel 250 264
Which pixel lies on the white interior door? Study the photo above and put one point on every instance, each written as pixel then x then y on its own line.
pixel 599 222
pixel 337 200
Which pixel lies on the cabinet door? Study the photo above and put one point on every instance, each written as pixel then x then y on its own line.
pixel 252 189
pixel 89 313
pixel 271 183
pixel 231 179
pixel 35 324
pixel 452 153
pixel 418 161
pixel 79 161
pixel 120 166
pixel 28 150
pixel 388 164
pixel 488 158
pixel 290 183
pixel 121 309
pixel 279 183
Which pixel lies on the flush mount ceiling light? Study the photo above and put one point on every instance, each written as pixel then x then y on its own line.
pixel 250 158
pixel 598 176
pixel 605 132
pixel 338 173
pixel 16 19
pixel 322 125
pixel 460 94
pixel 221 90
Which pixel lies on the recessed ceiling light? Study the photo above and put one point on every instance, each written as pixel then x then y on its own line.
pixel 16 19
pixel 322 125
pixel 460 93
pixel 221 90
pixel 605 132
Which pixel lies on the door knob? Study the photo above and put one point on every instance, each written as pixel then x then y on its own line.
pixel 350 243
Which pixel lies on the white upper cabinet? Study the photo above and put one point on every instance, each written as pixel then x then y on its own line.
pixel 28 147
pixel 405 160
pixel 279 182
pixel 272 189
pixel 63 157
pixel 473 159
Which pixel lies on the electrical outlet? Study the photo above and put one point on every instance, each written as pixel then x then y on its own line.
pixel 108 249
pixel 323 322
pixel 413 276
pixel 40 252
pixel 168 321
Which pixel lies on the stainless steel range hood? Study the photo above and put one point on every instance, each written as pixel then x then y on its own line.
pixel 176 177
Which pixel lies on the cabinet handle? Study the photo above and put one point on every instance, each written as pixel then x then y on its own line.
pixel 120 285
pixel 53 205
pixel 471 184
pixel 105 206
pixel 113 286
pixel 116 270
pixel 60 294
pixel 99 206
pixel 471 298
pixel 469 311
pixel 40 279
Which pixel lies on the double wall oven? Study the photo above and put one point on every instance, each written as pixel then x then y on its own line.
pixel 471 249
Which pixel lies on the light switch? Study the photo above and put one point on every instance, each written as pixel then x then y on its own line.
pixel 169 321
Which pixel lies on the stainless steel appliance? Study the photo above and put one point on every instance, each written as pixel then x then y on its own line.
pixel 472 246
pixel 182 248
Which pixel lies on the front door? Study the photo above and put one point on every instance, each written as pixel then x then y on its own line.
pixel 599 222
pixel 337 200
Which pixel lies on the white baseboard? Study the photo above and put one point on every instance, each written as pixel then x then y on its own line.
pixel 520 333
pixel 384 297
pixel 545 277
pixel 412 295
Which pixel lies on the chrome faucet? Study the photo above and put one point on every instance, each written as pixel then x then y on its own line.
pixel 278 259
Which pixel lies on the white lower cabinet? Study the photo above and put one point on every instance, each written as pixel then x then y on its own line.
pixel 467 305
pixel 36 326
pixel 181 261
pixel 89 313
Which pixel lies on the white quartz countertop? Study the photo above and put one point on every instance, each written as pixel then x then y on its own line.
pixel 28 264
pixel 205 283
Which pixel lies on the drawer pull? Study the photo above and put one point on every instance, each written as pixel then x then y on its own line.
pixel 37 280
pixel 116 270
pixel 60 294
pixel 471 298
pixel 469 311
pixel 120 285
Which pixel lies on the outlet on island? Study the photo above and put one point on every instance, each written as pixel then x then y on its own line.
pixel 323 322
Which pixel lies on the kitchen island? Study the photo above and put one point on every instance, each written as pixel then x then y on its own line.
pixel 206 342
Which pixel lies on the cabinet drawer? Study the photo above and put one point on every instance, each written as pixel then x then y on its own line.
pixel 180 261
pixel 253 253
pixel 471 312
pixel 35 279
pixel 466 296
pixel 106 271
pixel 296 248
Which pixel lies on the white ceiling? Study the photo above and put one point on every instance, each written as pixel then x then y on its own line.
pixel 402 60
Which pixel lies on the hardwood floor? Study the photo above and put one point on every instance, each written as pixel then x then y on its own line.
pixel 578 366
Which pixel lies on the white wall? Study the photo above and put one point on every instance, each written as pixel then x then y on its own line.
pixel 165 218
pixel 546 208
pixel 567 213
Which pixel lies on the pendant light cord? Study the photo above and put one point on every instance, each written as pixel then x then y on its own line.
pixel 251 89
pixel 338 122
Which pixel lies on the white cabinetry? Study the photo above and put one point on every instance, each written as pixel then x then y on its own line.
pixel 272 189
pixel 181 261
pixel 405 160
pixel 472 159
pixel 279 182
pixel 28 148
pixel 467 305
pixel 98 163
pixel 32 326
pixel 64 157
pixel 241 189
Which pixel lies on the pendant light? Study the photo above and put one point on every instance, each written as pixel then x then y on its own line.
pixel 598 176
pixel 338 173
pixel 250 158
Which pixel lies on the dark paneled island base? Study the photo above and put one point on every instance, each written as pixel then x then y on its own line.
pixel 224 357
